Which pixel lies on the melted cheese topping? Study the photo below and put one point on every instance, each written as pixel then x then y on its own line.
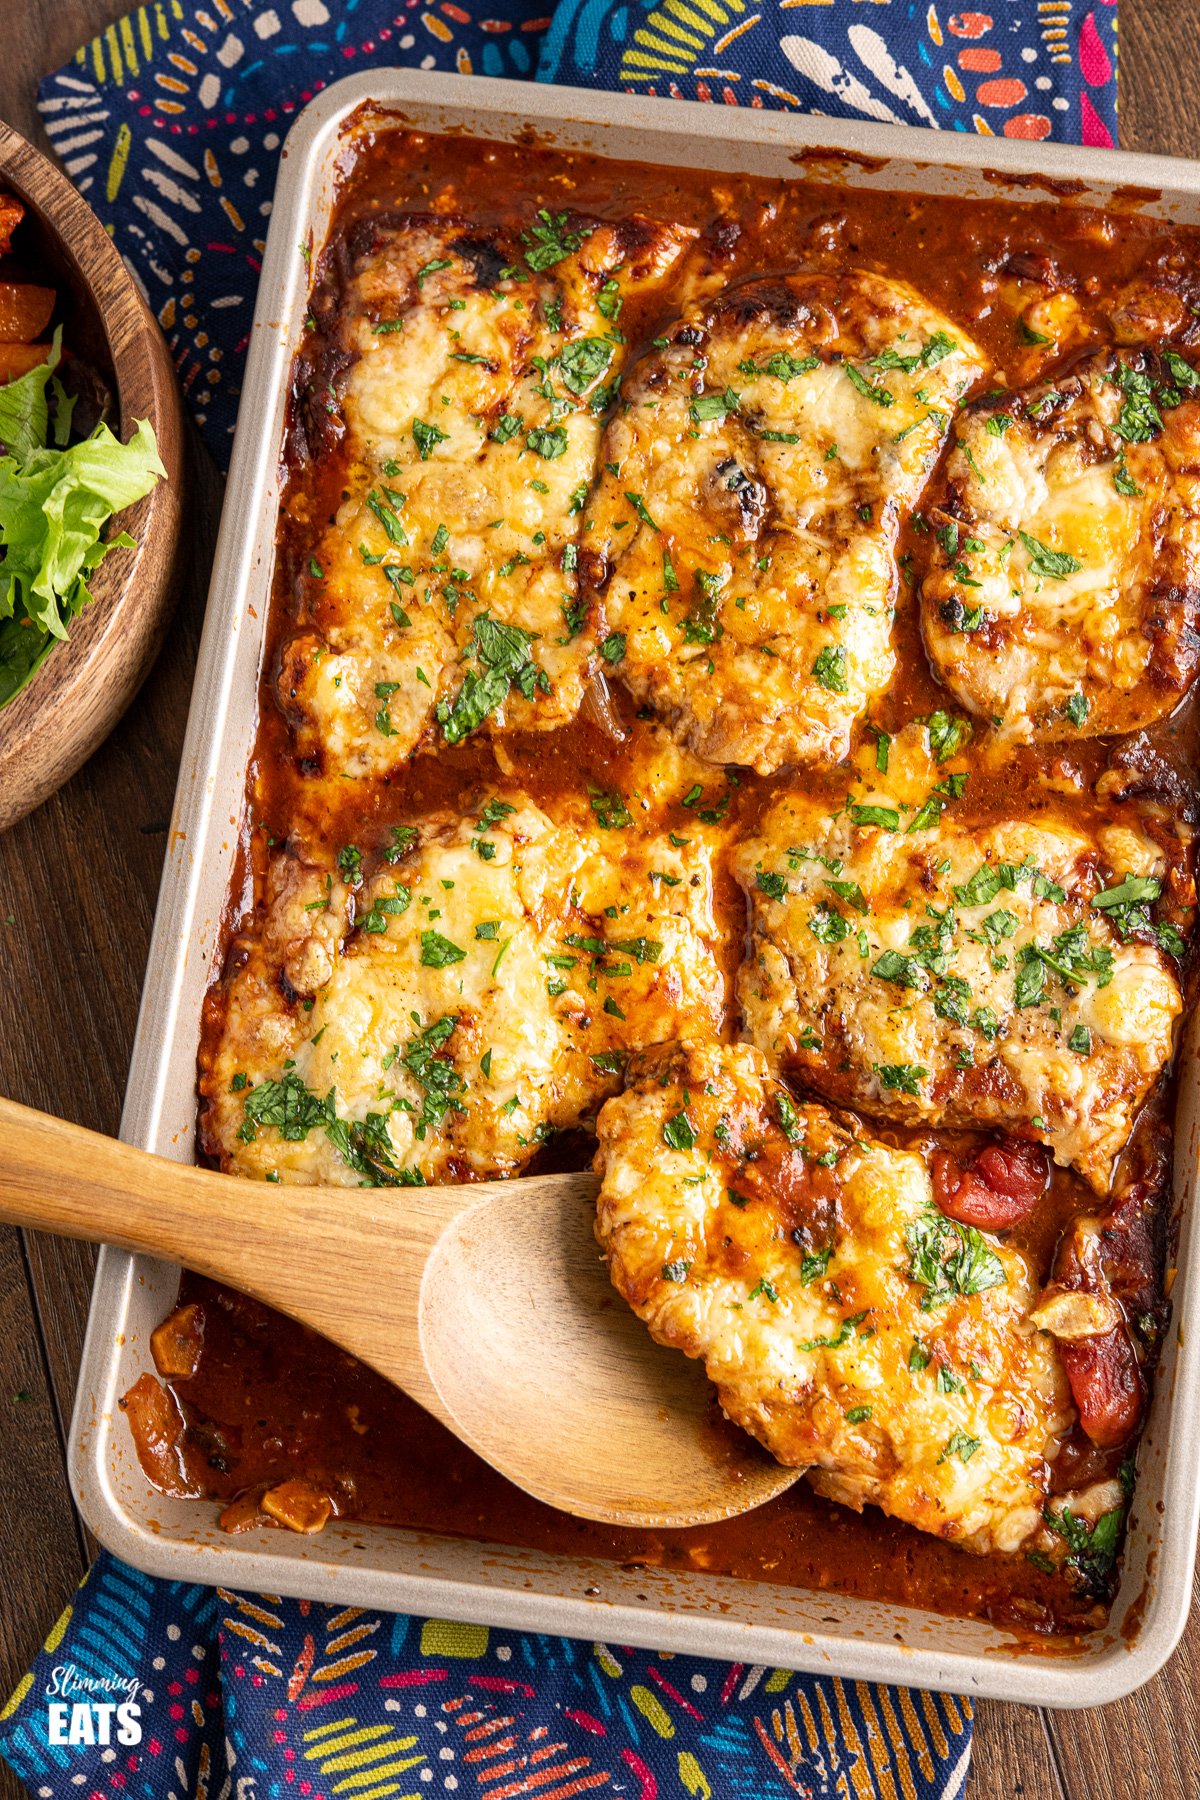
pixel 444 594
pixel 1063 591
pixel 445 1016
pixel 743 529
pixel 931 970
pixel 788 1257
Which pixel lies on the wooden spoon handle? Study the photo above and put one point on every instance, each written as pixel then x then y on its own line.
pixel 335 1258
pixel 61 1178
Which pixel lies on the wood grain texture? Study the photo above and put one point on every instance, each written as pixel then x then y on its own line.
pixel 71 1002
pixel 437 1298
pixel 78 695
pixel 78 880
pixel 38 1574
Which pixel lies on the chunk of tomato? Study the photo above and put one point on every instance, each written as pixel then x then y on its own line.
pixel 997 1187
pixel 1106 1385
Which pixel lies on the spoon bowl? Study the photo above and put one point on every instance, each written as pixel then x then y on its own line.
pixel 543 1370
pixel 489 1304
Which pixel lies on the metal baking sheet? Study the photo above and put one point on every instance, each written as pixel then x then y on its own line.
pixel 462 1579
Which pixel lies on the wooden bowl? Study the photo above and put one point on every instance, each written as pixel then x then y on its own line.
pixel 84 686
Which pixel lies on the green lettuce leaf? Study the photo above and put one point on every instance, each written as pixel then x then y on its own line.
pixel 54 505
pixel 24 411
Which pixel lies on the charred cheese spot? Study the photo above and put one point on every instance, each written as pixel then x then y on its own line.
pixel 446 587
pixel 752 486
pixel 1062 596
pixel 956 973
pixel 459 1007
pixel 799 1258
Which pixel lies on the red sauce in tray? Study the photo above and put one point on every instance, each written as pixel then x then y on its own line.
pixel 268 1400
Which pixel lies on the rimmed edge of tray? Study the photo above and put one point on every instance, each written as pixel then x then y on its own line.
pixel 404 1570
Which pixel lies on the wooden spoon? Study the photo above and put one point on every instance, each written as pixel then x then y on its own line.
pixel 489 1304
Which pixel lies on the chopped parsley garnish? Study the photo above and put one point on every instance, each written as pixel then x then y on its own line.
pixel 426 436
pixel 403 839
pixel 884 816
pixel 548 241
pixel 904 1078
pixel 1129 892
pixel 1123 481
pixel 1092 1550
pixel 440 1081
pixel 789 1122
pixel 504 654
pixel 610 810
pixel 547 441
pixel 383 908
pixel 1071 956
pixel 1182 373
pixel 901 970
pixel 936 802
pixel 814 1265
pixel 437 952
pixel 609 299
pixel 386 512
pixel 950 1259
pixel 289 1105
pixel 868 389
pixel 1139 419
pixel 1055 565
pixel 679 1133
pixel 714 406
pixel 782 365
pixel 849 890
pixel 1125 908
pixel 830 669
pixel 365 1146
pixel 582 361
pixel 962 1445
pixel 940 345
pixel 828 926
pixel 844 1333
pixel 640 508
pixel 948 732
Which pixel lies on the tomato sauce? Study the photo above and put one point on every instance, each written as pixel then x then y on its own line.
pixel 269 1400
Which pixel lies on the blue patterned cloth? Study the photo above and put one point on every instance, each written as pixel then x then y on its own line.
pixel 245 1697
pixel 1017 70
pixel 171 121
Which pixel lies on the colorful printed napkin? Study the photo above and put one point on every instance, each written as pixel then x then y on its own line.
pixel 171 122
pixel 1020 70
pixel 163 1689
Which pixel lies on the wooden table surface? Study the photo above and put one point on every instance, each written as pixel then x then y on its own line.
pixel 77 888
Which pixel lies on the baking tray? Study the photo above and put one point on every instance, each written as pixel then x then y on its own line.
pixel 461 1579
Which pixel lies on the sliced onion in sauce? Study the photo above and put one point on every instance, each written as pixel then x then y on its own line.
pixel 598 707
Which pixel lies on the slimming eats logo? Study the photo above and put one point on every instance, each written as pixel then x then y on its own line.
pixel 92 1709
